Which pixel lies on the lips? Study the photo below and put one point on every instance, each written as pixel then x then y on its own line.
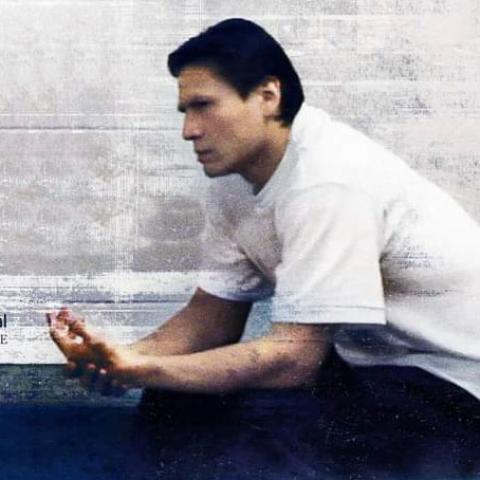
pixel 202 154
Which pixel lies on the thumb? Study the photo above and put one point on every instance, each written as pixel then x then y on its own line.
pixel 79 328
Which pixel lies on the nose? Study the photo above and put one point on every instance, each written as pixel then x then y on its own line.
pixel 191 128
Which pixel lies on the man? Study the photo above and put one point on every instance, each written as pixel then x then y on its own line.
pixel 356 249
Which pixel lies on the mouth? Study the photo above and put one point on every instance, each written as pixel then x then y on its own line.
pixel 202 155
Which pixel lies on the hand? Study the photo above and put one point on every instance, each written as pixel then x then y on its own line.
pixel 70 343
pixel 89 358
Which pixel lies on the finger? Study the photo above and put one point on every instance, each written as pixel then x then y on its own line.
pixel 102 382
pixel 89 375
pixel 117 388
pixel 79 328
pixel 61 340
pixel 106 385
pixel 55 322
pixel 68 316
pixel 64 320
pixel 64 313
pixel 72 369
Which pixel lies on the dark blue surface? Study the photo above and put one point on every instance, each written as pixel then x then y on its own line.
pixel 375 425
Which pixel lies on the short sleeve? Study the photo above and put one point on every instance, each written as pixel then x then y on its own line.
pixel 331 240
pixel 226 271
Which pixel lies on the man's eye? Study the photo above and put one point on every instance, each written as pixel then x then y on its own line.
pixel 201 105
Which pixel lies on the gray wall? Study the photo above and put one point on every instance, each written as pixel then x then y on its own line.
pixel 100 198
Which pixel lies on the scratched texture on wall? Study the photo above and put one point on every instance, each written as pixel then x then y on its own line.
pixel 100 199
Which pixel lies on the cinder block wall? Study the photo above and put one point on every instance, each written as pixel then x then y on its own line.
pixel 100 197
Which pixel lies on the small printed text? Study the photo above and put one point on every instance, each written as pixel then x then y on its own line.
pixel 3 325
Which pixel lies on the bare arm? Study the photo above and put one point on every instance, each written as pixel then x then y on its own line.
pixel 206 322
pixel 288 357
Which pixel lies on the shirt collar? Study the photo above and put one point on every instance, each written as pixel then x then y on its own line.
pixel 267 193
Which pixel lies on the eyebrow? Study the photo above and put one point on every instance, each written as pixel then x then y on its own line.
pixel 182 107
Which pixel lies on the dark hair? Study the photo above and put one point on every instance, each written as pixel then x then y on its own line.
pixel 244 55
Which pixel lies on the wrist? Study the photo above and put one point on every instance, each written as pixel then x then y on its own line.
pixel 138 370
pixel 125 366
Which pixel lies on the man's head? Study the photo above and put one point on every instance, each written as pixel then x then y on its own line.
pixel 239 93
pixel 244 55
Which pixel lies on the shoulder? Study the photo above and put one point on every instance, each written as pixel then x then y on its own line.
pixel 331 152
pixel 328 211
pixel 321 197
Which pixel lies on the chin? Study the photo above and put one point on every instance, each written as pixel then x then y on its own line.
pixel 213 173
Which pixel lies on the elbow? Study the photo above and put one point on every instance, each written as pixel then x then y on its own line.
pixel 303 376
pixel 299 369
pixel 298 353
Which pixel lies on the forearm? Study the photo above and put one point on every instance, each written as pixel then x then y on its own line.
pixel 261 364
pixel 171 339
pixel 206 322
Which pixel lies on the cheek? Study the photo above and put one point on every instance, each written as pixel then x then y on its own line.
pixel 217 126
pixel 250 133
pixel 234 132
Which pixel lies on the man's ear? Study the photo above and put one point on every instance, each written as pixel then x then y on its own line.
pixel 270 95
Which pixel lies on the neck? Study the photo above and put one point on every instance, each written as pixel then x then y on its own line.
pixel 263 166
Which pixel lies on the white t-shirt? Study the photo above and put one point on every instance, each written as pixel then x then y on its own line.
pixel 345 233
